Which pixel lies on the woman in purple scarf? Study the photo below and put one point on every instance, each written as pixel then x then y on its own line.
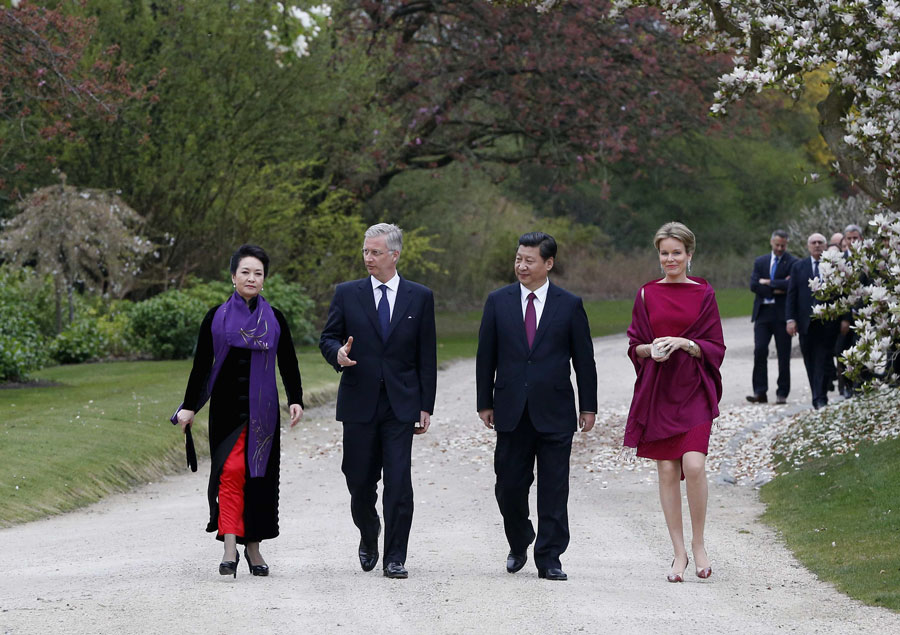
pixel 675 343
pixel 234 368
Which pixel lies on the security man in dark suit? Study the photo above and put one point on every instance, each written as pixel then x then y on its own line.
pixel 387 390
pixel 817 337
pixel 530 332
pixel 769 282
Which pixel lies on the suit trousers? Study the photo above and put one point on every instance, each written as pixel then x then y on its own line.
pixel 817 347
pixel 514 460
pixel 764 329
pixel 382 444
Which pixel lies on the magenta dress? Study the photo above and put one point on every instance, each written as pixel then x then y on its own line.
pixel 672 308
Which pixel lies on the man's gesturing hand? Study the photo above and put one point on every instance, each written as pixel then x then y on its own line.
pixel 343 357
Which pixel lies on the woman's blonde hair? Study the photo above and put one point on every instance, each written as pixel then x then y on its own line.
pixel 676 230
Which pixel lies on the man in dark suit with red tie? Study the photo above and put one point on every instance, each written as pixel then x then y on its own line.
pixel 769 283
pixel 530 333
pixel 817 337
pixel 380 336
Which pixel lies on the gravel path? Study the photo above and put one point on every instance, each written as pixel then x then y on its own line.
pixel 140 562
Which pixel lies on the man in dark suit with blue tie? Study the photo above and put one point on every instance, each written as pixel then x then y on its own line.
pixel 530 332
pixel 380 336
pixel 817 337
pixel 769 282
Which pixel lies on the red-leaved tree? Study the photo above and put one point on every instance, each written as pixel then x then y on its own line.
pixel 44 79
pixel 465 80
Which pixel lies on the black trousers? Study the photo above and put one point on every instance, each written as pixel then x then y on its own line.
pixel 514 460
pixel 817 346
pixel 764 329
pixel 381 445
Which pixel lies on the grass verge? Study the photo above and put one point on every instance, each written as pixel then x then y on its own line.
pixel 102 428
pixel 840 517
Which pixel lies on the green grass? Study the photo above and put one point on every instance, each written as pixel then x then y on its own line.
pixel 841 518
pixel 104 427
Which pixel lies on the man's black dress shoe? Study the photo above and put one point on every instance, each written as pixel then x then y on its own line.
pixel 395 570
pixel 757 398
pixel 552 574
pixel 781 400
pixel 368 556
pixel 515 561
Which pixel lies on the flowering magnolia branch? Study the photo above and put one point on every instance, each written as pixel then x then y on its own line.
pixel 866 285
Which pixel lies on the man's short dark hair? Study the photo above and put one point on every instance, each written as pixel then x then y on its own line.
pixel 539 239
pixel 252 251
pixel 780 233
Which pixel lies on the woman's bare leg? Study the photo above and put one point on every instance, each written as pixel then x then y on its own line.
pixel 670 498
pixel 694 466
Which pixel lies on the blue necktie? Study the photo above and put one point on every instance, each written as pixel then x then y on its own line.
pixel 774 267
pixel 816 268
pixel 384 312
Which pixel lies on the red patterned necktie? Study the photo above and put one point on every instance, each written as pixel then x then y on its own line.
pixel 530 320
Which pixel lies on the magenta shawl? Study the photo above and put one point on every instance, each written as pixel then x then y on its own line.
pixel 673 396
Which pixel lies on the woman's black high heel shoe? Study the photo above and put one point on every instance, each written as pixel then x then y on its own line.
pixel 229 567
pixel 256 569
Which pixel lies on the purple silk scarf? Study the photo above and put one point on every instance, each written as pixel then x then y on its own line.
pixel 673 396
pixel 234 325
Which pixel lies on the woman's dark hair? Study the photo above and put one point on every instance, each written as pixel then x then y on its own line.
pixel 253 251
pixel 539 239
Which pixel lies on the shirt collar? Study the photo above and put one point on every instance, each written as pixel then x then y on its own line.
pixel 540 292
pixel 392 284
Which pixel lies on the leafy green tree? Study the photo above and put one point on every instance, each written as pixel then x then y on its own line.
pixel 225 103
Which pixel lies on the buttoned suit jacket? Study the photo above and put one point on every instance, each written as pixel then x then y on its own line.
pixel 762 269
pixel 406 362
pixel 510 377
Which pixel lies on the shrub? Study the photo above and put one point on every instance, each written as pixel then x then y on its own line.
pixel 24 312
pixel 22 348
pixel 79 342
pixel 165 326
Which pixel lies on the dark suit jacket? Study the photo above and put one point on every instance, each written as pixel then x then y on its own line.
pixel 508 375
pixel 764 291
pixel 406 362
pixel 800 301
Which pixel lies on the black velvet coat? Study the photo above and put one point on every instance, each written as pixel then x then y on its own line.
pixel 229 412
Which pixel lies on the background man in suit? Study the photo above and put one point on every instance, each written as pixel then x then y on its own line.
pixel 769 281
pixel 529 332
pixel 386 393
pixel 817 337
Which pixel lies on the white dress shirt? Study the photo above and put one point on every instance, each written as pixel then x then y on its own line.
pixel 392 286
pixel 540 300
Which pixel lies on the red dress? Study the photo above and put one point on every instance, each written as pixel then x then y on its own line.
pixel 672 308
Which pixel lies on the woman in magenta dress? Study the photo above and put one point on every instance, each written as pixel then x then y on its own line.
pixel 675 343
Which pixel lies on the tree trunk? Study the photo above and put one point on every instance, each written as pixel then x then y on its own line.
pixel 71 305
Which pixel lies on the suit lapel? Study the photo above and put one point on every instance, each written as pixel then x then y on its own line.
pixel 550 308
pixel 401 303
pixel 367 299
